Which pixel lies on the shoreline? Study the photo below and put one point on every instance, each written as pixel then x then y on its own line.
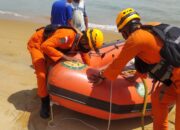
pixel 109 35
pixel 46 20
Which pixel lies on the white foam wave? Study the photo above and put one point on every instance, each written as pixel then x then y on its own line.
pixel 103 27
pixel 12 14
pixel 92 25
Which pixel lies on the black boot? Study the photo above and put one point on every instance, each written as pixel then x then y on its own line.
pixel 45 107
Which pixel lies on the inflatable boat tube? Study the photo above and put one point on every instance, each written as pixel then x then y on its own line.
pixel 69 87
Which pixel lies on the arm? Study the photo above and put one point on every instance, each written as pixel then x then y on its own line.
pixel 86 22
pixel 129 51
pixel 85 17
pixel 70 23
pixel 85 57
pixel 69 11
pixel 49 48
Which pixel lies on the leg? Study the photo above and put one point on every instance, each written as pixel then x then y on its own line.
pixel 40 68
pixel 40 71
pixel 160 108
pixel 38 61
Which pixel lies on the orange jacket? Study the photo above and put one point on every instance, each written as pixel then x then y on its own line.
pixel 140 43
pixel 62 39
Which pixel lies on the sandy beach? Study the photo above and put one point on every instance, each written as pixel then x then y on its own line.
pixel 19 104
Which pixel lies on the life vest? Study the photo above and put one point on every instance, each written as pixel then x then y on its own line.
pixel 170 53
pixel 50 29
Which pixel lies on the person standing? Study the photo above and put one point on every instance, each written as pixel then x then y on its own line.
pixel 61 13
pixel 80 18
pixel 150 49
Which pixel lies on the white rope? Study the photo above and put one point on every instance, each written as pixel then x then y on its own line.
pixel 110 101
pixel 51 122
pixel 110 106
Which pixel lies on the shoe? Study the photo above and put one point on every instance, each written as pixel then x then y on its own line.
pixel 45 107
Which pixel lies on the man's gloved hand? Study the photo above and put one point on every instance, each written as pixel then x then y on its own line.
pixel 130 75
pixel 94 76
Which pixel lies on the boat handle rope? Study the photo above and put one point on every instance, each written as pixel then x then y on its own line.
pixel 104 53
pixel 108 51
pixel 110 106
pixel 145 103
pixel 110 101
pixel 51 122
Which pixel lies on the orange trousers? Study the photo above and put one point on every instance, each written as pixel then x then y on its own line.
pixel 40 71
pixel 160 108
pixel 39 64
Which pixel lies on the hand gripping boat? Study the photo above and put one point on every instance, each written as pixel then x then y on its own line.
pixel 69 87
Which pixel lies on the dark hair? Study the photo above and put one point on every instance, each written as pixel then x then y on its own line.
pixel 83 40
pixel 133 25
pixel 130 27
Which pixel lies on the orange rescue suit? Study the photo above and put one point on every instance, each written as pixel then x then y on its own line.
pixel 146 46
pixel 38 61
pixel 62 39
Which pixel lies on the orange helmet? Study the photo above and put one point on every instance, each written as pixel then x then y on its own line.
pixel 95 38
pixel 125 16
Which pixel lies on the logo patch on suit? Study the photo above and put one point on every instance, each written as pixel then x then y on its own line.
pixel 63 40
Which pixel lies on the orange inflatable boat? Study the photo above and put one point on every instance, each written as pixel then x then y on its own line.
pixel 69 87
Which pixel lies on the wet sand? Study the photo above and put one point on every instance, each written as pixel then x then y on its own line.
pixel 19 104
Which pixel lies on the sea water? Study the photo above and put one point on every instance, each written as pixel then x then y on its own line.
pixel 101 13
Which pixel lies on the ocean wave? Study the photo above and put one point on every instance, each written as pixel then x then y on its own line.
pixel 92 25
pixel 12 14
pixel 103 27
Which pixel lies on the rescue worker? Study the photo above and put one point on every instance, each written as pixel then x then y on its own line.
pixel 80 17
pixel 146 46
pixel 47 50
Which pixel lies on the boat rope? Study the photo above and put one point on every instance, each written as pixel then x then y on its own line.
pixel 110 101
pixel 145 103
pixel 104 53
pixel 110 106
pixel 116 44
pixel 51 122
